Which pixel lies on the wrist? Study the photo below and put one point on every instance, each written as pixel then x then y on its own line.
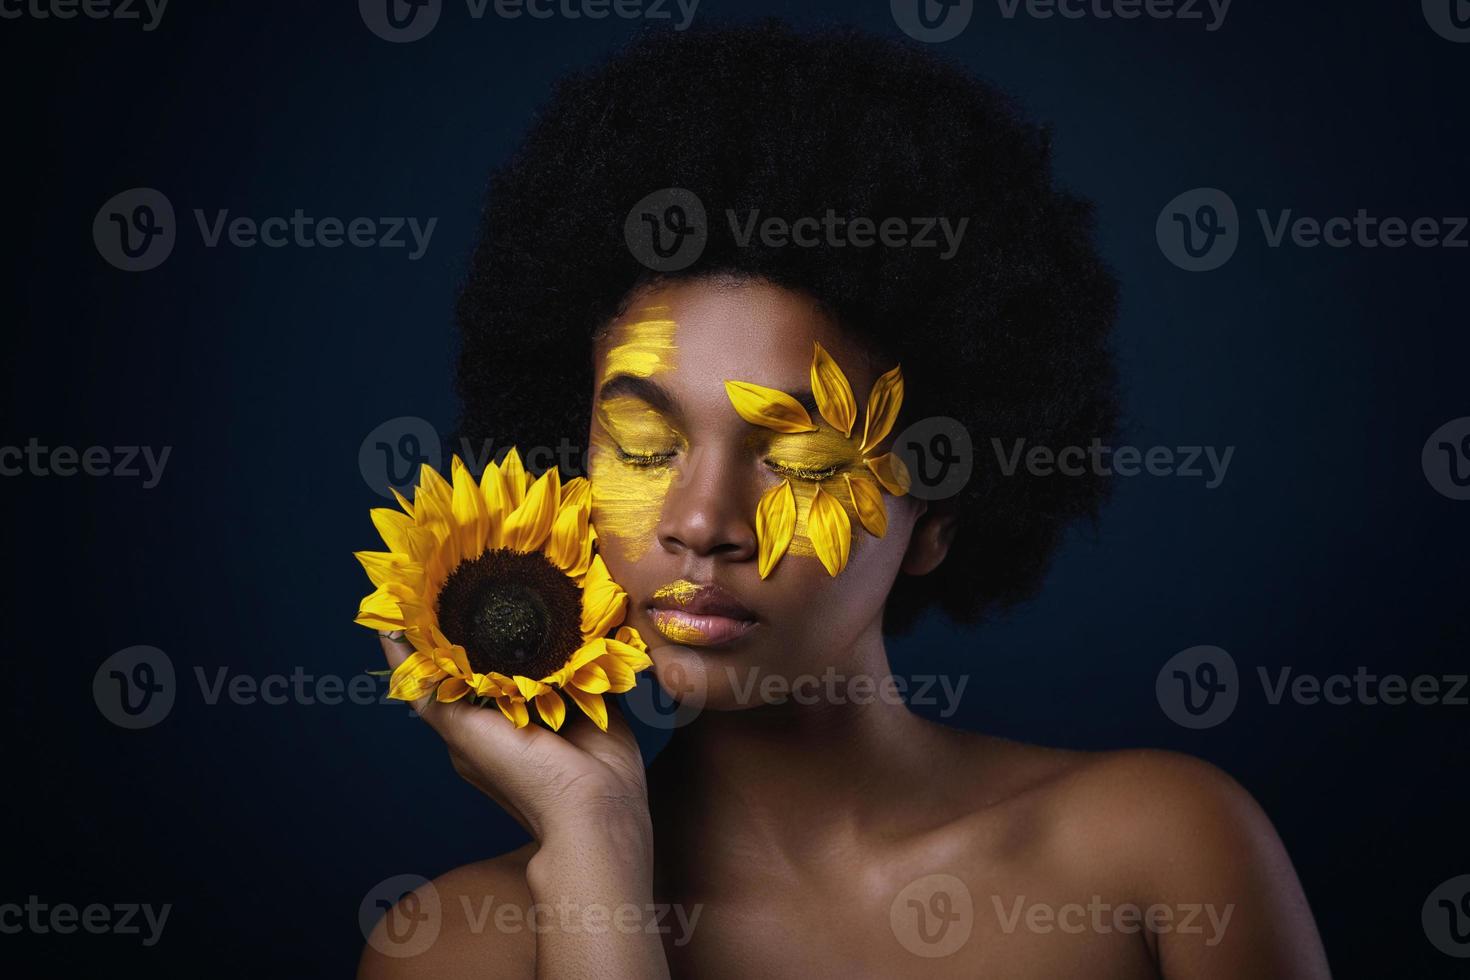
pixel 615 846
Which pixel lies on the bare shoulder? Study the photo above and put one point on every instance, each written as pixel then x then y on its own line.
pixel 468 922
pixel 1152 830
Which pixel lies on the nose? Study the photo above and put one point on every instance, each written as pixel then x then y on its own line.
pixel 710 511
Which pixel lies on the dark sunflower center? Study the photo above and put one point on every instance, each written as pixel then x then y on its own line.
pixel 513 612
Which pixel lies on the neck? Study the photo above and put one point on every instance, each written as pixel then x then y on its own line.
pixel 791 781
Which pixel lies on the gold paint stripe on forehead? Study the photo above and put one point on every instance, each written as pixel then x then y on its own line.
pixel 646 347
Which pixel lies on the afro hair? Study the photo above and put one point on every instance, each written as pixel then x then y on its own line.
pixel 1010 336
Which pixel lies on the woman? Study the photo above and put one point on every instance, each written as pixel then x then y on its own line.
pixel 838 835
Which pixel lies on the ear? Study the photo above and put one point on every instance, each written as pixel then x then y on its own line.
pixel 929 542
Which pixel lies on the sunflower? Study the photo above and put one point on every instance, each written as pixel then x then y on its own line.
pixel 863 472
pixel 498 589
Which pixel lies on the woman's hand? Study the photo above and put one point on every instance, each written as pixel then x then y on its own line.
pixel 556 784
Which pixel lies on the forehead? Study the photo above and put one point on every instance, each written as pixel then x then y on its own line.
pixel 692 336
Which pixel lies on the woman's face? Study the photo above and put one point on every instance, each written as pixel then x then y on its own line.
pixel 677 475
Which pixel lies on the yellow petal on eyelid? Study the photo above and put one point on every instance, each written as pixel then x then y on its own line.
pixel 891 472
pixel 830 531
pixel 775 523
pixel 867 500
pixel 768 407
pixel 832 391
pixel 884 401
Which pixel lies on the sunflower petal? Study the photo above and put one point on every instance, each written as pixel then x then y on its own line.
pixel 414 678
pixel 884 401
pixel 551 708
pixel 775 523
pixel 513 478
pixel 431 499
pixel 381 610
pixel 592 678
pixel 393 527
pixel 570 547
pixel 528 526
pixel 626 653
pixel 768 407
pixel 586 654
pixel 467 506
pixel 830 530
pixel 591 705
pixel 891 472
pixel 452 689
pixel 514 710
pixel 402 501
pixel 832 391
pixel 620 677
pixel 867 500
pixel 385 567
pixel 603 601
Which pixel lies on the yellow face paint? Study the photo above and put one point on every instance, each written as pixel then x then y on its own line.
pixel 628 493
pixel 643 347
pixel 679 592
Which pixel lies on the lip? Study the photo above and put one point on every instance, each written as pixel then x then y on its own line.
pixel 699 614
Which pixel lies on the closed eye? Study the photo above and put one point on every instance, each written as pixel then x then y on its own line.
pixel 804 472
pixel 644 459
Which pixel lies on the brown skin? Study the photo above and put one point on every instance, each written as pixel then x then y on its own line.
pixel 793 828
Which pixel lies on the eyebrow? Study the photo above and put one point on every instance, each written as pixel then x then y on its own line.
pixel 658 397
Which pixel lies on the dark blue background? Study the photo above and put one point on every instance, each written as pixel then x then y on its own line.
pixel 1324 549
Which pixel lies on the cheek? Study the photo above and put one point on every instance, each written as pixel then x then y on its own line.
pixel 626 504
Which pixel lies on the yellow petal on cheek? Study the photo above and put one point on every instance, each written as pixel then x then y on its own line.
pixel 768 407
pixel 884 401
pixel 891 472
pixel 830 531
pixel 832 391
pixel 775 523
pixel 867 500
